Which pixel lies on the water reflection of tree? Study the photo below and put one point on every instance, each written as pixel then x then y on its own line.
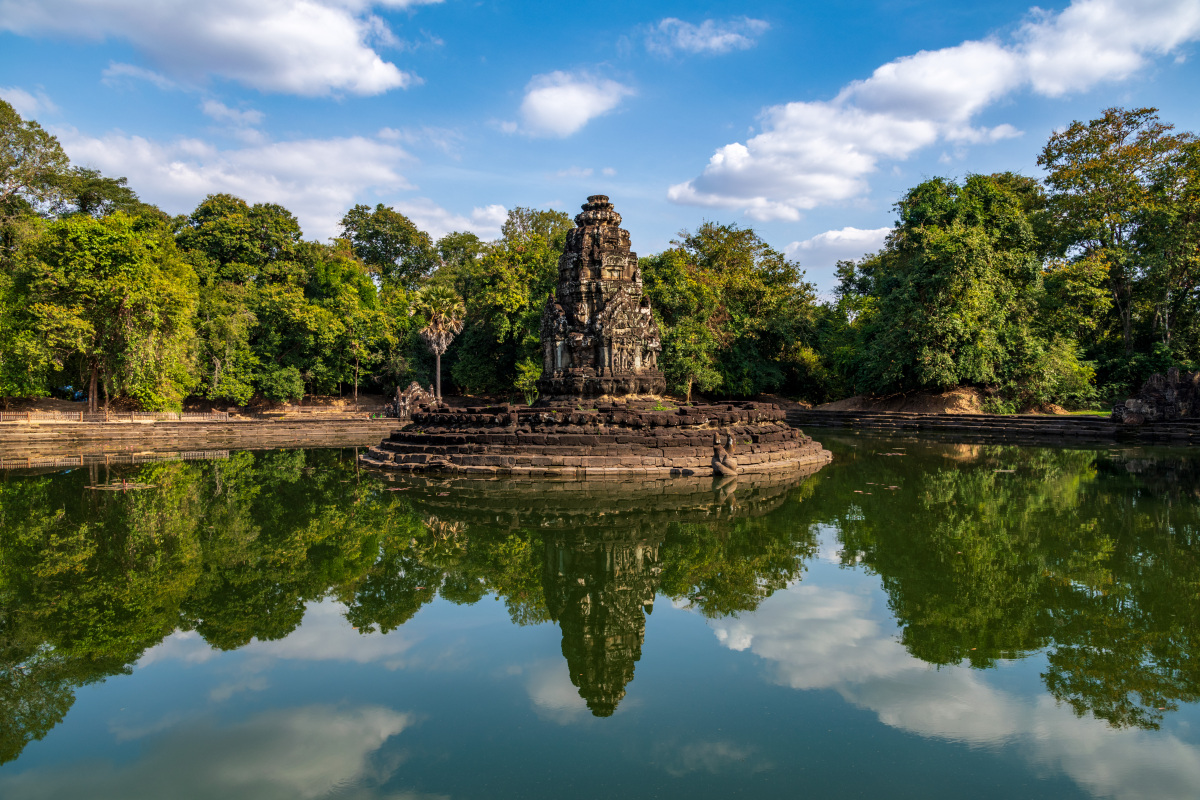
pixel 1093 558
pixel 90 580
pixel 1067 552
pixel 591 561
pixel 235 549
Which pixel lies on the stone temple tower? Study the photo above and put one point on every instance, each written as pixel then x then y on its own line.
pixel 598 335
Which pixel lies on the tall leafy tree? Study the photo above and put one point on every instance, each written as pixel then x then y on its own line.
pixel 390 243
pixel 1169 244
pixel 31 165
pixel 1101 174
pixel 504 290
pixel 114 294
pixel 953 298
pixel 86 191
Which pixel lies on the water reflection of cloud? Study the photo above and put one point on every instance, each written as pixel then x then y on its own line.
pixel 553 695
pixel 821 638
pixel 324 636
pixel 713 757
pixel 296 753
pixel 186 646
pixel 249 683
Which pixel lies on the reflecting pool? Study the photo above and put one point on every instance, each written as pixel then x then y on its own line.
pixel 916 619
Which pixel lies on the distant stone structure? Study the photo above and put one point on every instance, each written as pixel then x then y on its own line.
pixel 1162 398
pixel 411 399
pixel 609 439
pixel 598 335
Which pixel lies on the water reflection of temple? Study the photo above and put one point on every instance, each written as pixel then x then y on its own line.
pixel 599 590
pixel 601 541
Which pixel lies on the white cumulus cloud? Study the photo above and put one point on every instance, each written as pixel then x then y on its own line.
pixel 820 254
pixel 223 113
pixel 304 47
pixel 819 152
pixel 483 221
pixel 672 35
pixel 316 179
pixel 27 104
pixel 561 103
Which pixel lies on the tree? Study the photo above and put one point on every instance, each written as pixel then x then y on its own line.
pixel 953 298
pixel 86 191
pixel 1100 174
pixel 1169 244
pixel 114 293
pixel 244 243
pixel 689 356
pixel 458 249
pixel 31 163
pixel 442 313
pixel 504 290
pixel 734 311
pixel 390 244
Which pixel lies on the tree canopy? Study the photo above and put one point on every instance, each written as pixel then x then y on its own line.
pixel 1068 290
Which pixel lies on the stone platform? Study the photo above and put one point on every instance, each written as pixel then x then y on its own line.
pixel 580 440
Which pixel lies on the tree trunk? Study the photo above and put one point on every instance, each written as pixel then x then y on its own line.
pixel 356 383
pixel 437 376
pixel 689 391
pixel 93 389
pixel 104 383
pixel 1127 329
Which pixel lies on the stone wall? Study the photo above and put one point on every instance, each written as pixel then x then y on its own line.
pixel 606 439
pixel 1162 398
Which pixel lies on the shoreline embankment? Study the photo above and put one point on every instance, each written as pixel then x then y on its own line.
pixel 1003 428
pixel 36 439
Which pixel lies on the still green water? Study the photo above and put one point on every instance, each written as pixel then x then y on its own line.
pixel 917 619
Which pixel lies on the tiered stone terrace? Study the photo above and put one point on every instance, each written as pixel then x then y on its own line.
pixel 606 439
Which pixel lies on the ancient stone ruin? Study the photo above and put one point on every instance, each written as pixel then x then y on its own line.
pixel 409 400
pixel 1163 398
pixel 598 335
pixel 604 440
pixel 601 411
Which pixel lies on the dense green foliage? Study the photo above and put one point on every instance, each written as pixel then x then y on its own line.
pixel 958 297
pixel 736 313
pixel 1071 290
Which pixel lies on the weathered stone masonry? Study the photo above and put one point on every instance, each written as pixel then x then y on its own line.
pixel 598 335
pixel 597 441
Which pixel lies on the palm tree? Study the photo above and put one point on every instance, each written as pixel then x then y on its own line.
pixel 443 312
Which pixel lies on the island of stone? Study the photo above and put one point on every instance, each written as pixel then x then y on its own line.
pixel 602 409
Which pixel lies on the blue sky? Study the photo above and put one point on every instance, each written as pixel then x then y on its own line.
pixel 803 120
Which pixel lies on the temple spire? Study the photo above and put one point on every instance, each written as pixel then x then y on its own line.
pixel 598 335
